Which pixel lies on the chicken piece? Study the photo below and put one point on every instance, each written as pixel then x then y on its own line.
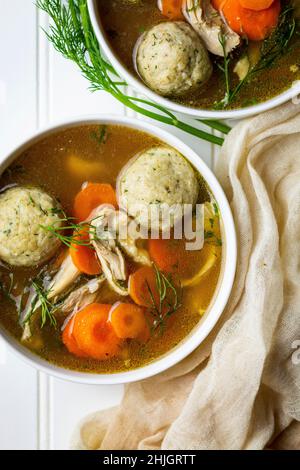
pixel 127 233
pixel 209 24
pixel 112 229
pixel 64 278
pixel 67 274
pixel 107 249
pixel 139 255
pixel 83 296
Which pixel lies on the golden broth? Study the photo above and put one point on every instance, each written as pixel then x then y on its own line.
pixel 124 23
pixel 60 164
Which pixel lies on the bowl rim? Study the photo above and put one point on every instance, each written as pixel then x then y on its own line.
pixel 202 330
pixel 140 87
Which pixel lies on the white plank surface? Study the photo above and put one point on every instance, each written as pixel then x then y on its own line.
pixel 18 117
pixel 38 87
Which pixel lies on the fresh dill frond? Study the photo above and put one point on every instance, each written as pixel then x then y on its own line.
pixel 273 47
pixel 46 307
pixel 168 300
pixel 40 302
pixel 277 43
pixel 72 34
pixel 225 69
pixel 70 233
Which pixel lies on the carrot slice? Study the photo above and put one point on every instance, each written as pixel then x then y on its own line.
pixel 129 321
pixel 92 196
pixel 256 4
pixel 172 9
pixel 170 256
pixel 143 288
pixel 69 340
pixel 83 256
pixel 256 25
pixel 94 334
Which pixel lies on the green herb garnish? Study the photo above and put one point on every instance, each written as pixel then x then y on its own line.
pixel 47 308
pixel 272 49
pixel 72 35
pixel 63 234
pixel 225 69
pixel 168 301
pixel 40 301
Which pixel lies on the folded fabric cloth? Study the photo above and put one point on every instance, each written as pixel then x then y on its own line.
pixel 241 388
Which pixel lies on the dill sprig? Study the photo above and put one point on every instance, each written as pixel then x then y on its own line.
pixel 276 44
pixel 71 34
pixel 168 300
pixel 272 49
pixel 74 238
pixel 41 302
pixel 225 69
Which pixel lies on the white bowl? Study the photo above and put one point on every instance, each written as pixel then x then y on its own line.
pixel 200 332
pixel 196 112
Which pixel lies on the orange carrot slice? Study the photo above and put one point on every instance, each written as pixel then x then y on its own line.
pixel 69 340
pixel 143 288
pixel 172 9
pixel 256 25
pixel 94 334
pixel 256 4
pixel 83 256
pixel 169 256
pixel 129 321
pixel 92 196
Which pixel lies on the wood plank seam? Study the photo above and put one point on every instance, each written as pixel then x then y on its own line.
pixel 44 402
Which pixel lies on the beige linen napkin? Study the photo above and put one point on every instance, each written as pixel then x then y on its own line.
pixel 241 388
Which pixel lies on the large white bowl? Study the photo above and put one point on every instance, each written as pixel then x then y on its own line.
pixel 218 304
pixel 132 80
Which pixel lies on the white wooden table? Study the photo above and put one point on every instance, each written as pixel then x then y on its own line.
pixel 38 87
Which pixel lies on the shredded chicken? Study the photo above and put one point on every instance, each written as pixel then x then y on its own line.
pixel 108 251
pixel 128 234
pixel 113 237
pixel 83 296
pixel 209 24
pixel 64 278
pixel 139 255
pixel 67 274
pixel 111 226
pixel 27 334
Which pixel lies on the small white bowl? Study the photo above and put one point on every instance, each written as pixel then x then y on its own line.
pixel 139 86
pixel 201 331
